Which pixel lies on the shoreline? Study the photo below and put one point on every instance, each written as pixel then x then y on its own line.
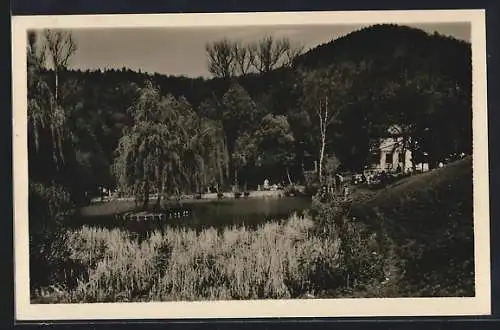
pixel 280 193
pixel 126 204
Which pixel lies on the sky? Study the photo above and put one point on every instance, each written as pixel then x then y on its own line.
pixel 181 51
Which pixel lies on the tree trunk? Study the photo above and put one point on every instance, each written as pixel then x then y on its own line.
pixel 145 203
pixel 323 120
pixel 56 94
pixel 158 201
pixel 302 171
pixel 321 157
pixel 219 163
pixel 404 158
pixel 231 166
pixel 226 158
pixel 203 180
pixel 288 176
pixel 235 178
pixel 161 191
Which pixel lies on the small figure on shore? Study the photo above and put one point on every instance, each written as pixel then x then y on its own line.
pixel 346 191
pixel 323 192
pixel 339 179
pixel 368 178
pixel 331 189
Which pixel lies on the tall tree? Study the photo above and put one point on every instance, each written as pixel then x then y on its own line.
pixel 275 143
pixel 48 198
pixel 142 150
pixel 40 97
pixel 165 150
pixel 221 58
pixel 60 47
pixel 44 108
pixel 325 95
pixel 212 159
pixel 238 111
pixel 243 58
pixel 324 121
pixel 270 53
pixel 211 112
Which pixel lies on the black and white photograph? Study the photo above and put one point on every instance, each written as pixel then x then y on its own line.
pixel 281 164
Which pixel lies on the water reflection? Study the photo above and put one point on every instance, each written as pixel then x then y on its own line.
pixel 248 212
pixel 203 214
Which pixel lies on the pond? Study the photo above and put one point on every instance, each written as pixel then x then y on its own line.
pixel 203 214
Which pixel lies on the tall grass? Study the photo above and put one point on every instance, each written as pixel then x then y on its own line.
pixel 276 260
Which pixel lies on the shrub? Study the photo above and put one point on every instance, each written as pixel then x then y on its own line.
pixel 363 251
pixel 48 253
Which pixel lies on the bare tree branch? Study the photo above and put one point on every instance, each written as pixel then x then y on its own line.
pixel 60 46
pixel 270 53
pixel 292 53
pixel 221 58
pixel 243 57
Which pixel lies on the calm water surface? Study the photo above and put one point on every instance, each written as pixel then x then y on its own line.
pixel 249 212
pixel 204 214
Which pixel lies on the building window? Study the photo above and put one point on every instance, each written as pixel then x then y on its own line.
pixel 388 158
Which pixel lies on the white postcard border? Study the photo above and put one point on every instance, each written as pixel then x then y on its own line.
pixel 478 305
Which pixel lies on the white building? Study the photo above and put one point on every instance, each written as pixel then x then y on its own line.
pixel 391 157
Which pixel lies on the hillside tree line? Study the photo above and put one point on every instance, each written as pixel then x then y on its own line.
pixel 270 110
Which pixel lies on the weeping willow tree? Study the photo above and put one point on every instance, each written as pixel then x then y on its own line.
pixel 49 198
pixel 44 108
pixel 165 151
pixel 207 153
pixel 43 114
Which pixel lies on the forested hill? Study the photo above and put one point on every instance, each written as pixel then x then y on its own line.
pixel 384 46
pixel 387 45
pixel 387 74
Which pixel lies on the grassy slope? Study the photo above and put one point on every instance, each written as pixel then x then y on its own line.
pixel 430 221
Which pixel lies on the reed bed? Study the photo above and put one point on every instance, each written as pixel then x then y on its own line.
pixel 275 260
